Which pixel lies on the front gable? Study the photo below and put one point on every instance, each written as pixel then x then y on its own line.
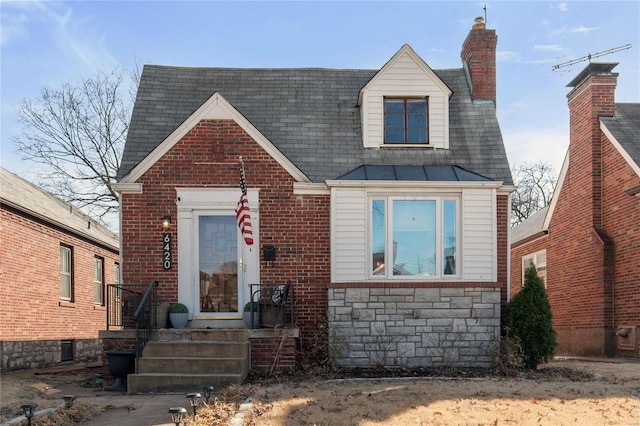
pixel 215 108
pixel 406 75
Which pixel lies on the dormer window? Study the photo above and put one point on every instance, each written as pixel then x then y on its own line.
pixel 405 121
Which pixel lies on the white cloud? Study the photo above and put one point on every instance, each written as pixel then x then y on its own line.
pixel 562 7
pixel 582 29
pixel 506 55
pixel 73 35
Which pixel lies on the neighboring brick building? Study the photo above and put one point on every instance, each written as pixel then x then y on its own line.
pixel 54 265
pixel 331 157
pixel 588 240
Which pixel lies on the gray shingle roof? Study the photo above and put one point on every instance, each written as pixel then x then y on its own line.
pixel 625 127
pixel 311 116
pixel 27 197
pixel 530 226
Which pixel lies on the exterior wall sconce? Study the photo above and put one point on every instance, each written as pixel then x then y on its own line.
pixel 69 400
pixel 28 410
pixel 178 414
pixel 208 393
pixel 193 400
pixel 166 222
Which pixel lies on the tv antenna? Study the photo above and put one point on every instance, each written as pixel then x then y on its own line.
pixel 591 56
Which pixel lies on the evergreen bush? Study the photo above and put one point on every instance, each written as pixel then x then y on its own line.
pixel 528 321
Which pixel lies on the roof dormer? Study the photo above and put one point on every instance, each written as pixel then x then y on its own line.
pixel 405 104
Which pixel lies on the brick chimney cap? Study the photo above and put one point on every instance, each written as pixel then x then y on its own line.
pixel 593 68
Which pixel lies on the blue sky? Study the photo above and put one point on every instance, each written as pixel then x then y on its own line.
pixel 49 43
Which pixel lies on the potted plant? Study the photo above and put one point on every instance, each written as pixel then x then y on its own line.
pixel 179 315
pixel 246 315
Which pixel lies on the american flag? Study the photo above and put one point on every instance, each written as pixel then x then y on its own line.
pixel 242 210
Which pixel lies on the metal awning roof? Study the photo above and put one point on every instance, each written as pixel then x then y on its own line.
pixel 413 173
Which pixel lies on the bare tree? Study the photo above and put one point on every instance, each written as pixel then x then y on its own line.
pixel 536 183
pixel 78 132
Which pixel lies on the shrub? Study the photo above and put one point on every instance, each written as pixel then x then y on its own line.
pixel 528 321
pixel 247 307
pixel 178 308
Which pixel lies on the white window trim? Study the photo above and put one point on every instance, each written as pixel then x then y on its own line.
pixel 533 258
pixel 98 280
pixel 68 273
pixel 440 199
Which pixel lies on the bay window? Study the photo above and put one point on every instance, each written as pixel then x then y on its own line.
pixel 418 236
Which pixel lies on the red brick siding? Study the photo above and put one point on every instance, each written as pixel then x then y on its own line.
pixel 578 265
pixel 621 221
pixel 502 204
pixel 273 353
pixel 298 226
pixel 30 290
pixel 479 53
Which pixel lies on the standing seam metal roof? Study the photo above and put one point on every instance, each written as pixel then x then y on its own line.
pixel 311 116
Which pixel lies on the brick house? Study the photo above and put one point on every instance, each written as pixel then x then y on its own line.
pixel 587 241
pixel 347 171
pixel 55 263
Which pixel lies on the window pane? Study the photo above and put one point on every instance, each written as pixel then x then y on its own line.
pixel 65 273
pixel 394 105
pixel 394 136
pixel 415 106
pixel 98 287
pixel 415 121
pixel 378 237
pixel 414 237
pixel 416 136
pixel 394 121
pixel 449 237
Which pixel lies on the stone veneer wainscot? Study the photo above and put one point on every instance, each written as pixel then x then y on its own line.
pixel 407 327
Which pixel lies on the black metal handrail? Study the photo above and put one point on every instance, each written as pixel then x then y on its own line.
pixel 133 306
pixel 145 319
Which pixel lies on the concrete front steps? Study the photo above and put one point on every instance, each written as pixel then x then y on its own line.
pixel 186 360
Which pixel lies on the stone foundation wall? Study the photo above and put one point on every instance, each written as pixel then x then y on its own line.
pixel 34 354
pixel 414 327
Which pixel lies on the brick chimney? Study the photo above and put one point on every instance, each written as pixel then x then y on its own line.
pixel 479 60
pixel 592 96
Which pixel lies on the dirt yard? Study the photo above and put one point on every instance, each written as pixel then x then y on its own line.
pixel 568 392
pixel 563 392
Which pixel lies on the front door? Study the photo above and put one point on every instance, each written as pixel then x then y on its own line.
pixel 218 256
pixel 215 266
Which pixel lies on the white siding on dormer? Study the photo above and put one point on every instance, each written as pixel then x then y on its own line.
pixel 405 77
pixel 348 234
pixel 479 235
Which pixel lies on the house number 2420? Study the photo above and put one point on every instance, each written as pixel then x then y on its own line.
pixel 166 251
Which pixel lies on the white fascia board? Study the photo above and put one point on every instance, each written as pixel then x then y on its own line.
pixel 399 186
pixel 621 150
pixel 408 50
pixel 216 107
pixel 303 188
pixel 507 189
pixel 127 188
pixel 556 192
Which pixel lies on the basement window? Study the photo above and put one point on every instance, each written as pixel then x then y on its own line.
pixel 66 347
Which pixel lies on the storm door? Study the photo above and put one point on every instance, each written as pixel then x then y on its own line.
pixel 218 261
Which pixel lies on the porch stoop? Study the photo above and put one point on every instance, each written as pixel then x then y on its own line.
pixel 186 360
